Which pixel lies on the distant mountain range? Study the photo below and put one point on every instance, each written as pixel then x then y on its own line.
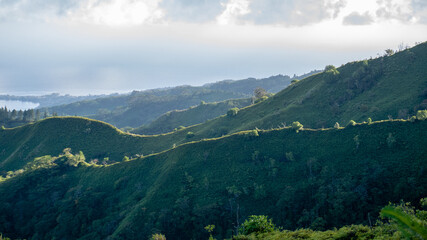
pixel 142 107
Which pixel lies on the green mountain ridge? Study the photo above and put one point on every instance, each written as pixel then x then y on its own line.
pixel 142 107
pixel 344 175
pixel 387 87
pixel 221 171
pixel 191 116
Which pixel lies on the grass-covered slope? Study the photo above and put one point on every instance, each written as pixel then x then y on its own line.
pixel 313 178
pixel 271 84
pixel 392 86
pixel 98 140
pixel 193 115
pixel 142 108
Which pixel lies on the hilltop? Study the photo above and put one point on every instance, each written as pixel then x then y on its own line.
pixel 384 88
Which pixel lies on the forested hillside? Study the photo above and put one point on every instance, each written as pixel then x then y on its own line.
pixel 306 178
pixel 325 152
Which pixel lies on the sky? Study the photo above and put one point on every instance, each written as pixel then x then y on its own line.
pixel 84 47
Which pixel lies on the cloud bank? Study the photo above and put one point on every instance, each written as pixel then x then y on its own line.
pixel 137 12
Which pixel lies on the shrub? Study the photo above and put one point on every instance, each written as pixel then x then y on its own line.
pixel 158 236
pixel 263 98
pixel 351 123
pixel 422 114
pixel 210 229
pixel 232 112
pixel 390 140
pixel 331 69
pixel 290 156
pixel 189 135
pixel 297 126
pixel 257 224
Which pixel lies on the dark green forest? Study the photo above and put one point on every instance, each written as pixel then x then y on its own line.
pixel 321 159
pixel 14 118
pixel 345 177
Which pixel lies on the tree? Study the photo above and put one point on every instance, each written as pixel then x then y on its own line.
pixel 422 115
pixel 20 115
pixel 351 123
pixel 331 69
pixel 37 115
pixel 389 52
pixel 210 229
pixel 257 224
pixel 232 112
pixel 259 92
pixel 13 115
pixel 297 126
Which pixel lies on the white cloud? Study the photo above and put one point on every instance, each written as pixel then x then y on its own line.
pixel 395 9
pixel 233 10
pixel 356 18
pixel 118 12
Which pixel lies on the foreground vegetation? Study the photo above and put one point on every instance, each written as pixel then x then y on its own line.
pixel 345 177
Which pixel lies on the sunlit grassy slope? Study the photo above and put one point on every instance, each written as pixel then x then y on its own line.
pixel 313 178
pixel 194 115
pixel 392 86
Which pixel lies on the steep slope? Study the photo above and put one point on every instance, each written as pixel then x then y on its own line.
pixel 316 178
pixel 271 84
pixel 393 85
pixel 49 137
pixel 141 107
pixel 387 87
pixel 193 115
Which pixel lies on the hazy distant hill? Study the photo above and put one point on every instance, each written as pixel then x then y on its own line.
pixel 53 99
pixel 271 84
pixel 142 107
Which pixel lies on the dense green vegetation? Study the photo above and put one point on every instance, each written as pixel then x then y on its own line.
pixel 383 88
pixel 405 222
pixel 13 118
pixel 345 177
pixel 194 115
pixel 72 177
